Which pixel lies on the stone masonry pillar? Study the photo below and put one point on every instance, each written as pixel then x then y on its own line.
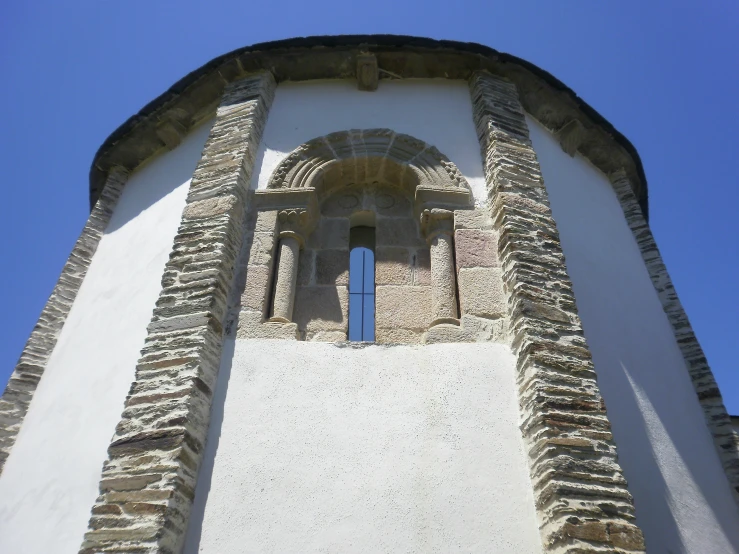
pixel 439 227
pixel 293 229
pixel 148 481
pixel 581 497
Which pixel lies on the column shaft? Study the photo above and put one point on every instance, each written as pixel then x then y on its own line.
pixel 443 283
pixel 286 281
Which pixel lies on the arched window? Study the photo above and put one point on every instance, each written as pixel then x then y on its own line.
pixel 362 284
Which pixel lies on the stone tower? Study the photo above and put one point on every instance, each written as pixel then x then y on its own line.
pixel 523 378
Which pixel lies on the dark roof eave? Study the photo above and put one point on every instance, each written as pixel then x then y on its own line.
pixel 324 57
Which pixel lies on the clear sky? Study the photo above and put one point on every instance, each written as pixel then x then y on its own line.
pixel 666 76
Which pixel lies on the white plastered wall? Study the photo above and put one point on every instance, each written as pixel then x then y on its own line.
pixel 317 447
pixel 321 448
pixel 682 497
pixel 51 477
pixel 436 111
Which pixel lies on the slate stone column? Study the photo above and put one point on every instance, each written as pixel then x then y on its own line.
pixel 148 481
pixel 581 497
pixel 293 230
pixel 439 228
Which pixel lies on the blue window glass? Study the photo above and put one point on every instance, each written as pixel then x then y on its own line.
pixel 362 294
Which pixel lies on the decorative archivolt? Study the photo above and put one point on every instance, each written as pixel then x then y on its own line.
pixel 366 156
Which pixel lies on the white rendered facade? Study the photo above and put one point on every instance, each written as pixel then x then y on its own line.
pixel 424 442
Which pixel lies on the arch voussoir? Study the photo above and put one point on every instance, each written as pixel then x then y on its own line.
pixel 357 156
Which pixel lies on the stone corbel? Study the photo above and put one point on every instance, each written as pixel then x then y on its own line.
pixel 171 130
pixel 367 72
pixel 438 227
pixel 571 136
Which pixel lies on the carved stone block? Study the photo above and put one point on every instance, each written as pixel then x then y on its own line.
pixel 475 248
pixel 322 308
pixel 332 232
pixel 397 231
pixel 256 292
pixel 403 307
pixel 306 267
pixel 392 266
pixel 332 267
pixel 481 292
pixel 421 267
pixel 398 336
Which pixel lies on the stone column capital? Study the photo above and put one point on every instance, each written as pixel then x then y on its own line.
pixel 296 223
pixel 436 222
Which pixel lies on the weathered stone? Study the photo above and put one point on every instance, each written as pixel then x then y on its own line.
pixel 481 292
pixel 398 336
pixel 472 219
pixel 262 249
pixel 306 267
pixel 421 267
pixel 589 530
pixel 332 267
pixel 392 266
pixel 403 307
pixel 475 248
pixel 326 336
pixel 331 233
pixel 145 495
pixel 470 329
pixel 256 292
pixel 531 253
pixel 286 279
pixel 137 482
pixel 322 308
pixel 210 207
pixel 266 221
pixel 391 202
pixel 628 537
pixel 397 231
pixel 224 171
pixel 251 325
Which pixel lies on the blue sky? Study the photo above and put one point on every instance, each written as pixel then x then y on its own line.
pixel 665 76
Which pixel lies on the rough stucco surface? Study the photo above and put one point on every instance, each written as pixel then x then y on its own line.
pixel 331 448
pixel 51 476
pixel 438 112
pixel 682 497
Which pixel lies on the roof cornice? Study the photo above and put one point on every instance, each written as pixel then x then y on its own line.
pixel 194 97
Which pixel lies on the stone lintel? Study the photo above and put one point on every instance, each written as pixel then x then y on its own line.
pixel 450 199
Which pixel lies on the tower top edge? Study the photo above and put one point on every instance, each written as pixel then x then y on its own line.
pixel 193 98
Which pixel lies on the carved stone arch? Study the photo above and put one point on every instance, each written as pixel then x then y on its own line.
pixel 362 156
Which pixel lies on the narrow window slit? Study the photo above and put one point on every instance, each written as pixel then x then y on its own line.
pixel 362 284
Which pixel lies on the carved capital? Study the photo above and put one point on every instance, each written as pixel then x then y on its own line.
pixel 296 223
pixel 437 221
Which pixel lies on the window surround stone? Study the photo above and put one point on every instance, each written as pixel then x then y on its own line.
pixel 317 168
